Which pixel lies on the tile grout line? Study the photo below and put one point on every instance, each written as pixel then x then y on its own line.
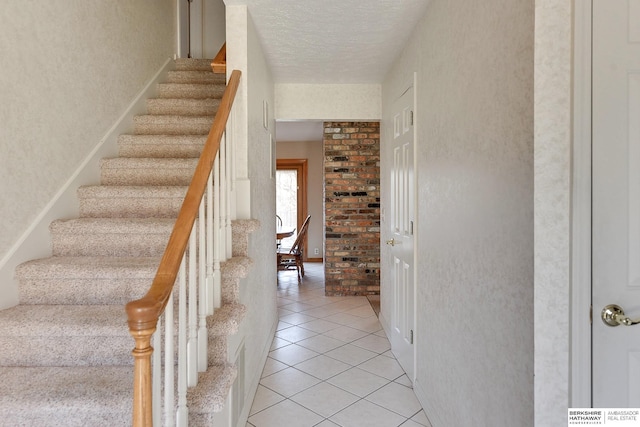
pixel 300 317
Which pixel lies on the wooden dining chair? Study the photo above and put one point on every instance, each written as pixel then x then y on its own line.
pixel 293 257
pixel 278 224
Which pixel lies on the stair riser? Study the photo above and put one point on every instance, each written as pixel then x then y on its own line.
pixel 130 207
pixel 116 244
pixel 133 176
pixel 154 146
pixel 160 150
pixel 67 351
pixel 191 64
pixel 168 125
pixel 185 107
pixel 111 291
pixel 200 77
pixel 230 291
pixel 217 354
pixel 193 91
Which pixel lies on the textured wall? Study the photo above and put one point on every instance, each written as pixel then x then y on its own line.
pixel 69 70
pixel 553 127
pixel 313 152
pixel 352 208
pixel 474 154
pixel 258 291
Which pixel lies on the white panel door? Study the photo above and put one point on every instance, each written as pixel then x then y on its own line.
pixel 616 200
pixel 402 243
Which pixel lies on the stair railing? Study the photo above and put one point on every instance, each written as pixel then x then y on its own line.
pixel 199 242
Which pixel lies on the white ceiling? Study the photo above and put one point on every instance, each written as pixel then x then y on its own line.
pixel 330 41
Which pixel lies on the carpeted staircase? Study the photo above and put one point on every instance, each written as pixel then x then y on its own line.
pixel 65 350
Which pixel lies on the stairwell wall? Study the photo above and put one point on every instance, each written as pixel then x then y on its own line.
pixel 254 142
pixel 70 70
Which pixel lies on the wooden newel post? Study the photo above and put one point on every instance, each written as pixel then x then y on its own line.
pixel 142 395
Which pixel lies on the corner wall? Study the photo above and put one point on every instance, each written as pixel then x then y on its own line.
pixel 254 162
pixel 553 192
pixel 474 166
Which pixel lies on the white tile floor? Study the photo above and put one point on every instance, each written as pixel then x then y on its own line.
pixel 330 364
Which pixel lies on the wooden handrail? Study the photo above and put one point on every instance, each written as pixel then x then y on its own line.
pixel 143 314
pixel 219 64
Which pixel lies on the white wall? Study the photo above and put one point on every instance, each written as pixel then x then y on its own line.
pixel 474 152
pixel 313 151
pixel 349 102
pixel 70 69
pixel 553 133
pixel 258 291
pixel 208 28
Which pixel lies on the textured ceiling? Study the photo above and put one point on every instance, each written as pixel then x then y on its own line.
pixel 332 41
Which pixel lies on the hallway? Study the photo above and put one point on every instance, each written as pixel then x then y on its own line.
pixel 330 364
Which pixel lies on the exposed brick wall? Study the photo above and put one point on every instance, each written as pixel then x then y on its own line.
pixel 352 208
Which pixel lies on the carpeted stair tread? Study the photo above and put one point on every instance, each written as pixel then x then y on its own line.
pixel 85 280
pixel 125 237
pixel 236 267
pixel 195 76
pixel 58 396
pixel 131 201
pixel 88 267
pixel 64 320
pixel 65 335
pixel 147 171
pixel 226 319
pixel 240 235
pixel 66 357
pixel 190 90
pixel 149 124
pixel 183 106
pixel 161 146
pixel 113 225
pixel 209 396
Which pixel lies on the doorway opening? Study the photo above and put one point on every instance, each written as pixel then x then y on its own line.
pixel 291 195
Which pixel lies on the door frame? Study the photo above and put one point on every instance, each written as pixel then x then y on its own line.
pixel 581 175
pixel 183 17
pixel 300 165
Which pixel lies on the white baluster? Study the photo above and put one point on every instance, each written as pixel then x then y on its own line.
pixel 227 185
pixel 211 203
pixel 223 200
pixel 202 291
pixel 156 375
pixel 169 362
pixel 192 307
pixel 182 413
pixel 217 280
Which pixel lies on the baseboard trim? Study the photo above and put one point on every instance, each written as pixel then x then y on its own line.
pixel 35 242
pixel 428 409
pixel 255 381
pixel 314 260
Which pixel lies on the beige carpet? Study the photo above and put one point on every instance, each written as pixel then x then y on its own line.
pixel 65 351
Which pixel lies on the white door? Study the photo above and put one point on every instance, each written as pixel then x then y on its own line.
pixel 616 201
pixel 402 224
